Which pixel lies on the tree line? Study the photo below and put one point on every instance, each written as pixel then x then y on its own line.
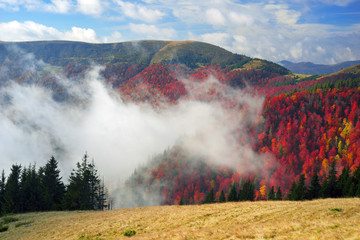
pixel 346 184
pixel 26 189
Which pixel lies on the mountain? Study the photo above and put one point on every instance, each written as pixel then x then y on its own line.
pixel 190 53
pixel 267 126
pixel 310 68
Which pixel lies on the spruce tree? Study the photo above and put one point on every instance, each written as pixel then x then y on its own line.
pixel 232 195
pixel 30 190
pixel 222 197
pixel 2 190
pixel 292 192
pixel 343 184
pixel 315 187
pixel 247 193
pixel 278 194
pixel 301 188
pixel 12 191
pixel 84 189
pixel 271 195
pixel 52 187
pixel 210 197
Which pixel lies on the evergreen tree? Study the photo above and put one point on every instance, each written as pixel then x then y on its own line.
pixel 232 195
pixel 12 191
pixel 210 197
pixel 52 187
pixel 343 184
pixel 315 187
pixel 29 190
pixel 222 197
pixel 300 188
pixel 271 195
pixel 247 193
pixel 2 190
pixel 328 188
pixel 278 194
pixel 84 189
pixel 292 193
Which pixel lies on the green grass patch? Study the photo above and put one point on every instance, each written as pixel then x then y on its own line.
pixel 4 228
pixel 9 219
pixel 129 233
pixel 23 223
pixel 335 209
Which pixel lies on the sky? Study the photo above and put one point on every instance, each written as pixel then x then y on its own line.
pixel 320 31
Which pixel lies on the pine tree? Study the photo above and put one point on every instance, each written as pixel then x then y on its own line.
pixel 210 197
pixel 300 188
pixel 328 187
pixel 2 190
pixel 222 197
pixel 315 187
pixel 84 189
pixel 247 192
pixel 232 195
pixel 343 184
pixel 278 194
pixel 52 187
pixel 12 191
pixel 292 193
pixel 29 190
pixel 271 195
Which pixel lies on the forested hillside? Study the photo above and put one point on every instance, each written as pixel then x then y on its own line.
pixel 307 127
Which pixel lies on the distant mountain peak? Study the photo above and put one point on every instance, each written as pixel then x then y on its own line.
pixel 310 68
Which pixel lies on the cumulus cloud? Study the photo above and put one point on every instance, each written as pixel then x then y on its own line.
pixel 152 31
pixel 55 6
pixel 139 12
pixel 31 31
pixel 91 7
pixel 215 17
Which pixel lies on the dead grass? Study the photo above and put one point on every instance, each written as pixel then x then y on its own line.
pixel 242 220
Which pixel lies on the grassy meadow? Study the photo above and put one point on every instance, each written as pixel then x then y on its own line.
pixel 318 219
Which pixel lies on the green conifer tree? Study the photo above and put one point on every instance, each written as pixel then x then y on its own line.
pixel 222 197
pixel 232 195
pixel 315 187
pixel 12 191
pixel 271 195
pixel 278 194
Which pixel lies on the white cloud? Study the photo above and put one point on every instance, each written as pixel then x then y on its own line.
pixel 139 12
pixel 114 37
pixel 218 38
pixel 215 17
pixel 81 34
pixel 91 7
pixel 152 31
pixel 31 31
pixel 58 6
pixel 55 6
pixel 241 19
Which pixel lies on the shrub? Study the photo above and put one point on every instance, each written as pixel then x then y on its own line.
pixel 129 233
pixel 4 228
pixel 9 220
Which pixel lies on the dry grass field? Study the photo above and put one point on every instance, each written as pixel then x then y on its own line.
pixel 319 219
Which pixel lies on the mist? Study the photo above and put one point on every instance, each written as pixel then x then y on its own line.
pixel 121 136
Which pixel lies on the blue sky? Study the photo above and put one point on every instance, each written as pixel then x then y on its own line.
pixel 321 31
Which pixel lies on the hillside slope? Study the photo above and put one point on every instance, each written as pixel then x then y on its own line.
pixel 312 68
pixel 320 219
pixel 192 54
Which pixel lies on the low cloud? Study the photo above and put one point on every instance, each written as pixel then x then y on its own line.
pixel 91 7
pixel 32 31
pixel 152 31
pixel 139 12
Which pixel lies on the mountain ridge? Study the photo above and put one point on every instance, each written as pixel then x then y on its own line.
pixel 193 54
pixel 310 68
